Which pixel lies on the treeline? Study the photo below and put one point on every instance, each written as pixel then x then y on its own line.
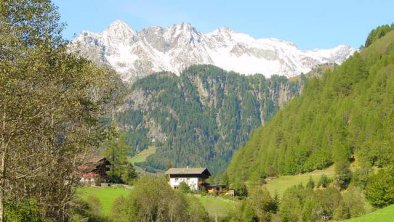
pixel 52 106
pixel 301 203
pixel 325 200
pixel 378 33
pixel 346 115
pixel 201 117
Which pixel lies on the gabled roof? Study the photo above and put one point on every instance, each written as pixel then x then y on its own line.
pixel 187 171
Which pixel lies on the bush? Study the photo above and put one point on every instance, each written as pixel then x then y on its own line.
pixel 352 204
pixel 24 211
pixel 240 189
pixel 343 174
pixel 94 205
pixel 380 189
pixel 324 181
pixel 311 184
pixel 184 188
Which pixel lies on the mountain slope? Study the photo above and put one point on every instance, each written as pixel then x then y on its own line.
pixel 347 113
pixel 137 54
pixel 201 116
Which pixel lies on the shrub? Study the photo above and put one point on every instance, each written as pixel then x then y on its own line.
pixel 380 189
pixel 240 189
pixel 184 188
pixel 324 181
pixel 24 211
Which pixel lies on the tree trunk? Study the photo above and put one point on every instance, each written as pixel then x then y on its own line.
pixel 2 169
pixel 2 182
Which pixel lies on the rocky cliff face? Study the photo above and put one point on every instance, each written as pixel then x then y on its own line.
pixel 136 54
pixel 202 116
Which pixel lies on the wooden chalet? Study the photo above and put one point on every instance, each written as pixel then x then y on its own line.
pixel 94 172
pixel 193 177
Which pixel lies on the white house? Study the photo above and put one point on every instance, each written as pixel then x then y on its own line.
pixel 194 177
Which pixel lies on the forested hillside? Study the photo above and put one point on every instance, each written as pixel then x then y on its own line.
pixel 346 115
pixel 200 117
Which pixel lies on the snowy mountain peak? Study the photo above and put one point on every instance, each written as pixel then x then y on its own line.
pixel 120 26
pixel 119 31
pixel 137 54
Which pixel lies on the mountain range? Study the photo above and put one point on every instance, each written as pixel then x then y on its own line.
pixel 137 54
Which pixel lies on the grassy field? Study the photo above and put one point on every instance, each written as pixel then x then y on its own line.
pixel 217 205
pixel 106 195
pixel 280 184
pixel 381 215
pixel 141 156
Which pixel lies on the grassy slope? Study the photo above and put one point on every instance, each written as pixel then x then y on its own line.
pixel 106 195
pixel 382 215
pixel 280 184
pixel 141 157
pixel 217 206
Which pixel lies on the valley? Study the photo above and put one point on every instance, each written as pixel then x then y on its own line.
pixel 169 123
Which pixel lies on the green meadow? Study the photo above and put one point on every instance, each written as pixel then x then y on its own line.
pixel 106 195
pixel 382 215
pixel 217 206
pixel 280 184
pixel 141 156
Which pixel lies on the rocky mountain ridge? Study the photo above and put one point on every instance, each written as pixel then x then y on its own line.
pixel 200 117
pixel 137 54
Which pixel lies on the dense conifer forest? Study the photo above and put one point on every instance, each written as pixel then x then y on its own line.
pixel 202 116
pixel 344 116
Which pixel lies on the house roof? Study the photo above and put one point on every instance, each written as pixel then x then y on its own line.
pixel 186 171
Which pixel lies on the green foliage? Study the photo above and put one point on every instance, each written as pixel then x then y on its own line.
pixel 152 199
pixel 225 180
pixel 116 150
pixel 200 117
pixel 311 184
pixel 240 189
pixel 94 205
pixel 195 211
pixel 262 204
pixel 53 106
pixel 360 176
pixel 184 188
pixel 380 189
pixel 324 181
pixel 378 33
pixel 24 211
pixel 353 204
pixel 343 174
pixel 344 113
pixel 303 204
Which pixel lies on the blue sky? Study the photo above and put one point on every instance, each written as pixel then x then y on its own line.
pixel 308 23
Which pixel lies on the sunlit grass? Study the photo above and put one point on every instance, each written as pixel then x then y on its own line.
pixel 106 195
